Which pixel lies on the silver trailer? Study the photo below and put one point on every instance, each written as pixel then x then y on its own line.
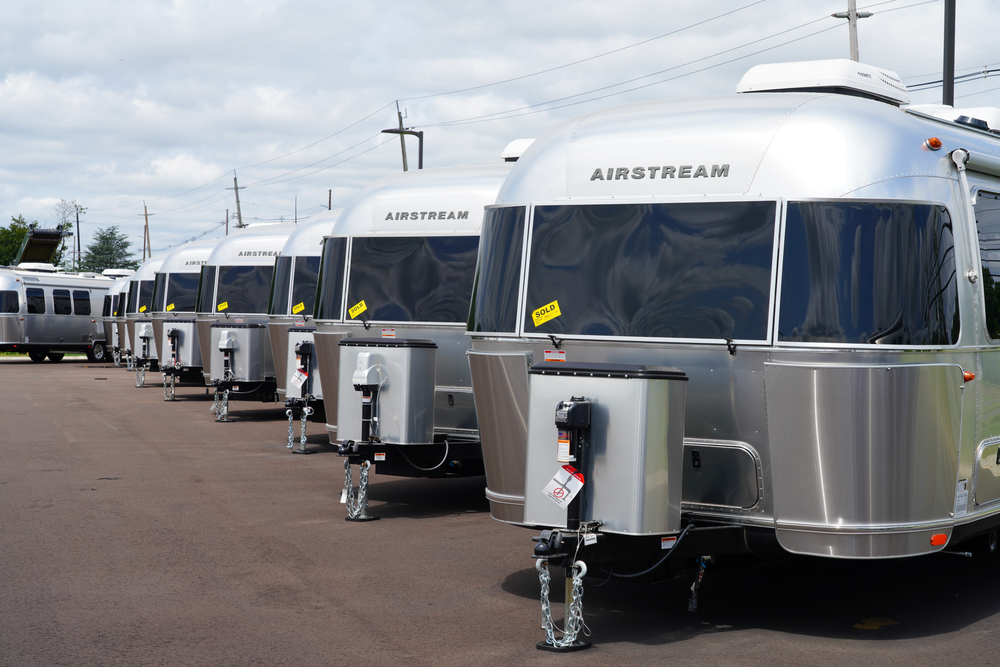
pixel 779 300
pixel 396 276
pixel 138 319
pixel 175 297
pixel 293 299
pixel 114 302
pixel 46 313
pixel 232 315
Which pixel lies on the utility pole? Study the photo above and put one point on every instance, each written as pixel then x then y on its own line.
pixel 145 234
pixel 239 215
pixel 227 222
pixel 296 209
pixel 329 200
pixel 852 15
pixel 948 75
pixel 76 266
pixel 402 139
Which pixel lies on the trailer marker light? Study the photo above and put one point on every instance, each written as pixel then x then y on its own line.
pixel 968 376
pixel 939 540
pixel 933 143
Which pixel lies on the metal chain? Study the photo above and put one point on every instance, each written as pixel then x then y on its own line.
pixel 215 402
pixel 574 610
pixel 129 362
pixel 117 356
pixel 359 508
pixel 140 375
pixel 223 414
pixel 306 411
pixel 290 435
pixel 169 387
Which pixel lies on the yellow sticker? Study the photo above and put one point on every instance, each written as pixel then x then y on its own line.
pixel 357 309
pixel 170 307
pixel 298 308
pixel 223 305
pixel 549 311
pixel 142 309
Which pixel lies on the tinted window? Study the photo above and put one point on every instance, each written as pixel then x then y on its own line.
pixel 419 279
pixel 106 311
pixel 60 302
pixel 81 302
pixel 206 290
pixel 159 292
pixel 244 289
pixel 278 304
pixel 115 300
pixel 699 270
pixel 133 295
pixel 182 292
pixel 36 300
pixel 8 301
pixel 494 296
pixel 879 273
pixel 145 302
pixel 330 295
pixel 304 285
pixel 988 228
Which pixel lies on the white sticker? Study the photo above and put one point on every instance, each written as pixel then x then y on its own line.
pixel 589 538
pixel 380 456
pixel 236 387
pixel 564 486
pixel 300 323
pixel 562 449
pixel 555 355
pixel 343 497
pixel 388 333
pixel 667 542
pixel 298 378
pixel 239 320
pixel 962 498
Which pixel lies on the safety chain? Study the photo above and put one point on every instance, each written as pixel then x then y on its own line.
pixel 702 564
pixel 289 412
pixel 215 403
pixel 169 387
pixel 574 610
pixel 356 509
pixel 222 415
pixel 140 375
pixel 306 411
pixel 129 362
pixel 117 356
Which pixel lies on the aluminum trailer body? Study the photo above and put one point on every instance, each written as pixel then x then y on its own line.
pixel 139 310
pixel 396 276
pixel 46 313
pixel 809 261
pixel 114 303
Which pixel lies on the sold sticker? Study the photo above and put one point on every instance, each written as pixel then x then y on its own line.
pixel 223 305
pixel 170 307
pixel 298 308
pixel 357 309
pixel 142 309
pixel 564 486
pixel 549 311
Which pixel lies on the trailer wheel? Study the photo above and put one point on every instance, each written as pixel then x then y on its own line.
pixel 97 352
pixel 56 356
pixel 37 357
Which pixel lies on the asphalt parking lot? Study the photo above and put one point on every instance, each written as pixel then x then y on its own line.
pixel 139 532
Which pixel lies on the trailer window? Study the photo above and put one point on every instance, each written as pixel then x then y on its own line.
pixel 330 292
pixel 181 293
pixel 159 292
pixel 278 303
pixel 8 301
pixel 415 279
pixel 304 285
pixel 81 302
pixel 133 295
pixel 206 290
pixel 868 273
pixel 60 302
pixel 36 300
pixel 494 295
pixel 691 270
pixel 988 228
pixel 244 289
pixel 106 310
pixel 145 303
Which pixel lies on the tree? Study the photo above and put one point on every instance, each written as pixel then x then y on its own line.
pixel 110 249
pixel 67 213
pixel 11 238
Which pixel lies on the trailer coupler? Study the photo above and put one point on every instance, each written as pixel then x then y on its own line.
pixel 220 405
pixel 300 406
pixel 140 365
pixel 357 506
pixel 116 355
pixel 169 382
pixel 562 549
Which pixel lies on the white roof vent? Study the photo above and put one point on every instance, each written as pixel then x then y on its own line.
pixel 117 273
pixel 37 266
pixel 514 149
pixel 838 76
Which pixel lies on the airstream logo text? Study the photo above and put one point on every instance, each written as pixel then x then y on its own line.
pixel 428 215
pixel 682 171
pixel 195 262
pixel 259 253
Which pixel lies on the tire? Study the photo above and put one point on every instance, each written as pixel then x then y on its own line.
pixel 98 352
pixel 37 357
pixel 56 356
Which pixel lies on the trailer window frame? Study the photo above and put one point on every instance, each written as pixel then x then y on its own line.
pixel 35 296
pixel 510 274
pixel 9 297
pixel 332 278
pixel 81 302
pixel 180 286
pixel 206 289
pixel 237 273
pixel 990 303
pixel 281 283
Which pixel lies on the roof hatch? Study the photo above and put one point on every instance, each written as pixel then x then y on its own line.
pixel 829 76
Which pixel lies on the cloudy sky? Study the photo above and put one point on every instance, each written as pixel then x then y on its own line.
pixel 118 104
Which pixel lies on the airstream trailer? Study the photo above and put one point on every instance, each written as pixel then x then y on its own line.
pixel 765 321
pixel 138 320
pixel 293 298
pixel 46 314
pixel 394 293
pixel 232 315
pixel 175 297
pixel 114 302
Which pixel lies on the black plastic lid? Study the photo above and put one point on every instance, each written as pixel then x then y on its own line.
pixel 592 369
pixel 179 321
pixel 238 325
pixel 387 342
pixel 294 328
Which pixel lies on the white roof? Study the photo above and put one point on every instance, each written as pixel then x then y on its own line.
pixel 147 270
pixel 307 239
pixel 189 257
pixel 254 246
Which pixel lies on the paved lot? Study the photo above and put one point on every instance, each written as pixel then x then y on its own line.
pixel 138 532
